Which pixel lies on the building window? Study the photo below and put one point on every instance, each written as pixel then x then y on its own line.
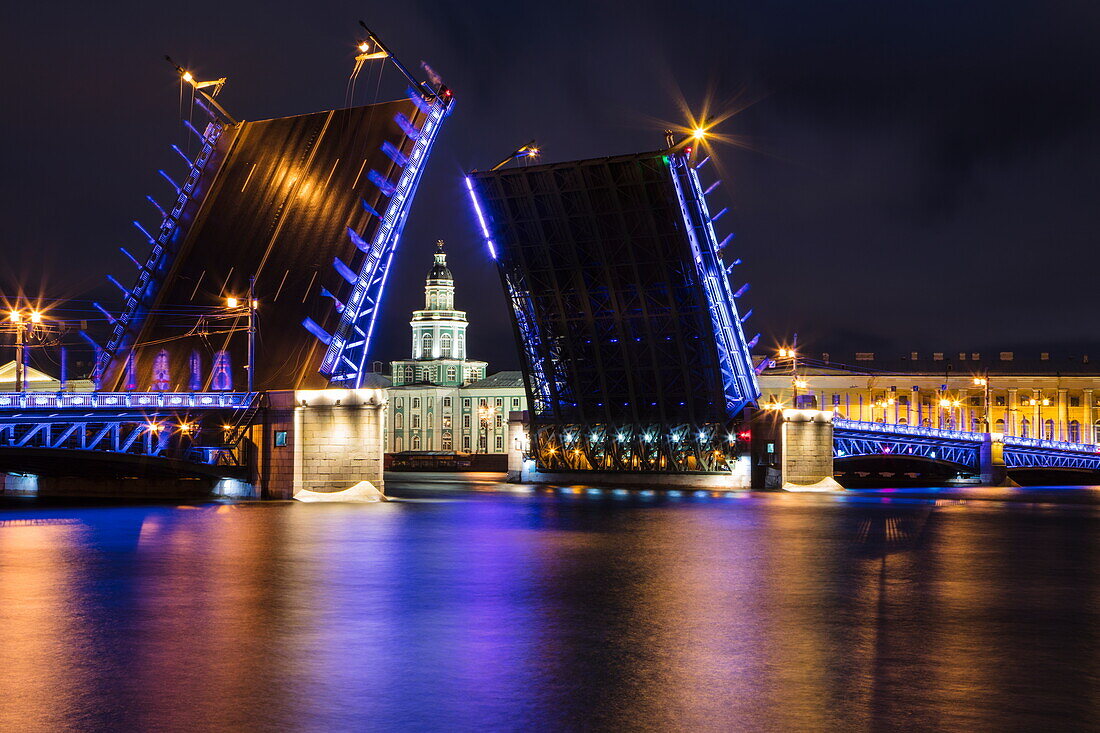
pixel 865 356
pixel 460 346
pixel 1025 428
pixel 416 420
pixel 466 403
pixel 499 444
pixel 447 441
pixel 452 374
pixel 446 401
pixel 500 402
pixel 399 402
pixel 1045 356
pixel 446 421
pixel 975 401
pixel 416 442
pixel 466 421
pixel 937 356
pixel 999 426
pixel 408 374
pixel 1096 432
pixel 431 420
pixel 1075 402
pixel 398 421
pixel 515 403
pixel 1049 431
pixel 484 402
pixel 416 403
pixel 280 438
pixel 426 346
pixel 445 346
pixel 999 401
pixel 1074 431
pixel 500 420
pixel 466 442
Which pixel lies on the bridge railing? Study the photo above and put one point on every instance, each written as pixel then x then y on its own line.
pixel 940 433
pixel 118 400
pixel 1041 444
pixel 897 429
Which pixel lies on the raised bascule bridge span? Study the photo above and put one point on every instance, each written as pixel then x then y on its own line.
pixel 263 274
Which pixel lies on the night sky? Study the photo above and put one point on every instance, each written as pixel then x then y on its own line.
pixel 913 176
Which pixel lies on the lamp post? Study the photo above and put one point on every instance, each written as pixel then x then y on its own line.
pixel 22 325
pixel 248 309
pixel 1039 403
pixel 797 382
pixel 484 415
pixel 983 382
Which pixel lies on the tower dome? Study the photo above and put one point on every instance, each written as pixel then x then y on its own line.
pixel 440 271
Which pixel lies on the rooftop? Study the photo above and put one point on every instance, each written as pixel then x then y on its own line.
pixel 500 379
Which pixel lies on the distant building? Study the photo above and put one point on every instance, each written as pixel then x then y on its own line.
pixel 1033 395
pixel 440 400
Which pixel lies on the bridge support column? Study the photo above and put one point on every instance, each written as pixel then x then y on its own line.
pixel 806 438
pixel 322 440
pixel 518 444
pixel 992 460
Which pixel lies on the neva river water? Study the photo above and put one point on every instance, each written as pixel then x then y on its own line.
pixel 469 606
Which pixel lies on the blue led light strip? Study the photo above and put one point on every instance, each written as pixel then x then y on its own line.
pixel 347 350
pixel 738 376
pixel 143 289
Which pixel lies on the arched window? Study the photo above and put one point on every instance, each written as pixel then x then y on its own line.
pixel 426 346
pixel 408 374
pixel 399 402
pixel 1025 428
pixel 416 403
pixel 398 421
pixel 433 300
pixel 445 345
pixel 999 426
pixel 460 346
pixel 452 373
pixel 447 444
pixel 416 442
pixel 160 371
pixel 222 378
pixel 398 444
pixel 1074 431
pixel 195 364
pixel 1048 433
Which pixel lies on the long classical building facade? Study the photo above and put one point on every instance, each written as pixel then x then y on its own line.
pixel 440 400
pixel 1036 395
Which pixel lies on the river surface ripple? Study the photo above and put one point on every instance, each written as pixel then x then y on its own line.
pixel 471 605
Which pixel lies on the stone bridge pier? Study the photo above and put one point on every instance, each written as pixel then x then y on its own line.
pixel 322 440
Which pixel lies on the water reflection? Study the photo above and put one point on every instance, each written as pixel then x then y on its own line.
pixel 552 609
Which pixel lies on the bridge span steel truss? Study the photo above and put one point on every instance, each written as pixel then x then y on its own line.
pixel 197 427
pixel 632 348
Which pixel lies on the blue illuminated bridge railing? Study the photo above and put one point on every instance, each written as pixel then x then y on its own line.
pixel 855 438
pixel 123 400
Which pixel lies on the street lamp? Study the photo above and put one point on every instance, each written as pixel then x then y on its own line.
pixel 797 382
pixel 983 382
pixel 249 309
pixel 1039 404
pixel 485 415
pixel 22 325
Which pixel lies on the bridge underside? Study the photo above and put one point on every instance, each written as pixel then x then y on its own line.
pixel 309 206
pixel 632 350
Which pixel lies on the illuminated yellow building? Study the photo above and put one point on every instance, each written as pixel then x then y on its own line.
pixel 1056 397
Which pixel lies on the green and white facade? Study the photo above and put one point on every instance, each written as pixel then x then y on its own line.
pixel 440 400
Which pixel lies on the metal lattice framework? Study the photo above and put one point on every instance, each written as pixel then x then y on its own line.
pixel 633 354
pixel 854 438
pixel 349 345
pixel 202 428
